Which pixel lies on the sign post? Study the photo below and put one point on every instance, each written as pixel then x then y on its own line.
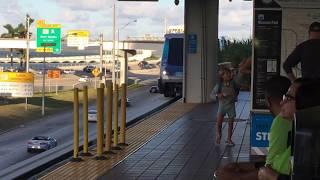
pixel 54 74
pixel 43 79
pixel 48 40
pixel 96 73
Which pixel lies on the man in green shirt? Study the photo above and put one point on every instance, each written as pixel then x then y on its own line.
pixel 278 159
pixel 275 88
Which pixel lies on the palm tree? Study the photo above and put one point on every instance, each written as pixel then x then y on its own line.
pixel 18 32
pixel 12 33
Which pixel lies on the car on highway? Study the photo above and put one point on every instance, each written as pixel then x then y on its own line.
pixel 128 102
pixel 41 143
pixel 69 71
pixel 84 79
pixel 158 63
pixel 89 68
pixel 92 115
pixel 143 64
pixel 154 89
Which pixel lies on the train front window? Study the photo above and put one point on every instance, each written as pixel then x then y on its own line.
pixel 175 51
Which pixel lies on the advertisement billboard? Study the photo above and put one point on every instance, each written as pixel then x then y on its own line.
pixel 261 124
pixel 78 38
pixel 267 52
pixel 16 84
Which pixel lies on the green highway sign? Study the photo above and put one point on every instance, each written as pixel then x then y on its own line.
pixel 48 37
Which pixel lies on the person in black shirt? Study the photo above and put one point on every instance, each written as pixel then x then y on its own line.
pixel 308 54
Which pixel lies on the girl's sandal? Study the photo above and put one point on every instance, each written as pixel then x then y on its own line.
pixel 230 143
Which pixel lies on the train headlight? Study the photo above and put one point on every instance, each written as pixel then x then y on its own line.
pixel 164 72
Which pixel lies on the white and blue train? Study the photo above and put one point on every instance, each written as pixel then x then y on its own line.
pixel 171 66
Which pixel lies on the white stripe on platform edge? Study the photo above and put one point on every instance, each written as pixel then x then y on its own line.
pixel 257 151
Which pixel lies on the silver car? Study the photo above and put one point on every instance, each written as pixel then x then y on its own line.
pixel 41 143
pixel 92 115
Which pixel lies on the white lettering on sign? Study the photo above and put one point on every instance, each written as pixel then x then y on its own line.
pixel 52 31
pixel 262 136
pixel 16 89
pixel 45 31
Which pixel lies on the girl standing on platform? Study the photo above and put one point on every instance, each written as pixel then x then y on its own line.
pixel 227 92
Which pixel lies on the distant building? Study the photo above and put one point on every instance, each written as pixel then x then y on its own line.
pixel 222 42
pixel 175 29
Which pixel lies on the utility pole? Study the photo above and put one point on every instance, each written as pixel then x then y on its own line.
pixel 165 25
pixel 43 80
pixel 113 45
pixel 28 44
pixel 27 54
pixel 101 55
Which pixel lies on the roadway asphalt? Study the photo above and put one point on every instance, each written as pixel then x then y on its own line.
pixel 13 147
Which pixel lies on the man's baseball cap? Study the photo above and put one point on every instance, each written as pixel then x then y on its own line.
pixel 314 27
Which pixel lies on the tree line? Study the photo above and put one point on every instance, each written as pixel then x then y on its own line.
pixel 234 51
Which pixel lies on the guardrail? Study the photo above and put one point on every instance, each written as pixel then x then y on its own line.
pixel 65 59
pixel 73 59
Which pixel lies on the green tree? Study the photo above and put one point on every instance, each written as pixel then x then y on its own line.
pixel 235 51
pixel 17 32
pixel 11 33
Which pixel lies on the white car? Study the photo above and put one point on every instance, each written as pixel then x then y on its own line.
pixel 92 115
pixel 70 71
pixel 84 79
pixel 128 102
pixel 41 143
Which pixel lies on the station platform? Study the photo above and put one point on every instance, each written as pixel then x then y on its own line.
pixel 176 143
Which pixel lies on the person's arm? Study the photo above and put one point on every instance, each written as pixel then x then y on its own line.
pixel 216 90
pixel 245 66
pixel 292 60
pixel 291 76
pixel 266 173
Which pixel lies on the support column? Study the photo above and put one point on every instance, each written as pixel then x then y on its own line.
pixel 201 20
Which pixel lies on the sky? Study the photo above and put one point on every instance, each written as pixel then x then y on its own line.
pixel 235 18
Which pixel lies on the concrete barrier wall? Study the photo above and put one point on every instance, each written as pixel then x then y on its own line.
pixel 69 59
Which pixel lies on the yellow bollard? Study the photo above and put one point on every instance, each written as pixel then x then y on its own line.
pixel 115 115
pixel 75 157
pixel 123 115
pixel 109 119
pixel 85 123
pixel 100 102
